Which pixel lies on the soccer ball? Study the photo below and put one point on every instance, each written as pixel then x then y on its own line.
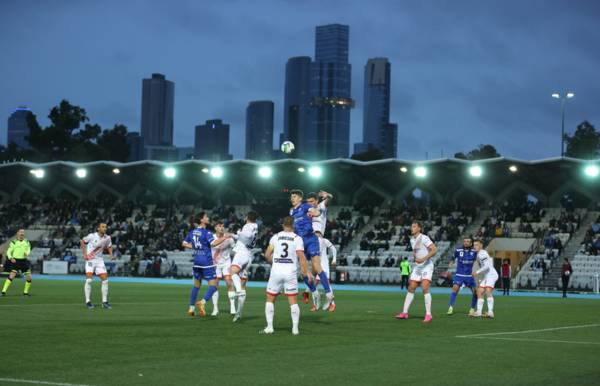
pixel 287 147
pixel 567 273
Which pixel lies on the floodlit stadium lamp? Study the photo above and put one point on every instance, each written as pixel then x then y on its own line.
pixel 81 173
pixel 475 171
pixel 204 170
pixel 421 171
pixel 216 172
pixel 570 95
pixel 315 171
pixel 403 169
pixel 116 171
pixel 556 95
pixel 37 173
pixel 591 171
pixel 513 168
pixel 301 169
pixel 265 172
pixel 170 172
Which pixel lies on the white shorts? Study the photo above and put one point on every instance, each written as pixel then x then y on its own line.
pixel 223 269
pixel 325 268
pixel 95 266
pixel 489 280
pixel 286 282
pixel 242 260
pixel 422 272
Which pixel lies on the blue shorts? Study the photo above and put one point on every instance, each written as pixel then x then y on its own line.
pixel 468 281
pixel 311 246
pixel 207 274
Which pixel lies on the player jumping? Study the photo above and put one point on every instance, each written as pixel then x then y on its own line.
pixel 16 260
pixel 245 241
pixel 201 240
pixel 488 276
pixel 222 258
pixel 464 258
pixel 285 251
pixel 93 246
pixel 302 213
pixel 423 250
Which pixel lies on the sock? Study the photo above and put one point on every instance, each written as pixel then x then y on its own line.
pixel 194 295
pixel 209 293
pixel 479 305
pixel 427 297
pixel 237 282
pixel 310 285
pixel 104 291
pixel 87 289
pixel 295 311
pixel 316 296
pixel 490 303
pixel 324 281
pixel 474 301
pixel 215 300
pixel 7 284
pixel 231 296
pixel 27 286
pixel 269 312
pixel 407 301
pixel 452 299
pixel 241 296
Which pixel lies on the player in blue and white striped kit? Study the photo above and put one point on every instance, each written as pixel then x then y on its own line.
pixel 464 259
pixel 303 213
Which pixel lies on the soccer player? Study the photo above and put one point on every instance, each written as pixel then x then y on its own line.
pixel 326 247
pixel 423 250
pixel 464 258
pixel 201 240
pixel 245 241
pixel 303 212
pixel 93 247
pixel 488 276
pixel 285 251
pixel 16 258
pixel 222 258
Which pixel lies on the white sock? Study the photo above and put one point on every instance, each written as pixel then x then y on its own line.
pixel 269 312
pixel 407 301
pixel 479 305
pixel 237 282
pixel 87 289
pixel 427 297
pixel 241 296
pixel 329 296
pixel 231 296
pixel 215 300
pixel 315 296
pixel 295 310
pixel 490 303
pixel 104 291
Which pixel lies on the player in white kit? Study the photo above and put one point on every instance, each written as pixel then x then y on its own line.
pixel 222 257
pixel 488 276
pixel 93 247
pixel 285 252
pixel 327 249
pixel 245 241
pixel 423 250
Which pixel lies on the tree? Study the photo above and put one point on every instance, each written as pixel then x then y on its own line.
pixel 371 154
pixel 584 143
pixel 114 143
pixel 482 152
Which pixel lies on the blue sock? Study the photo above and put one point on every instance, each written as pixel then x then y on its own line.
pixel 194 295
pixel 474 301
pixel 324 281
pixel 311 286
pixel 452 299
pixel 209 293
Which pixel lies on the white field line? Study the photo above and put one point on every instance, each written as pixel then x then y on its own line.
pixel 535 340
pixel 529 331
pixel 32 382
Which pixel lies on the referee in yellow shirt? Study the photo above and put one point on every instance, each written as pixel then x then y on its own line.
pixel 16 260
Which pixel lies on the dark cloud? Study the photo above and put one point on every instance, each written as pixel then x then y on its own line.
pixel 464 73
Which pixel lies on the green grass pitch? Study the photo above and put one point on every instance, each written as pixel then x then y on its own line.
pixel 147 339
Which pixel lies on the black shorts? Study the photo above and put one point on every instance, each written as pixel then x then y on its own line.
pixel 22 265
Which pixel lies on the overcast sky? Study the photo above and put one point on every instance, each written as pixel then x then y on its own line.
pixel 463 72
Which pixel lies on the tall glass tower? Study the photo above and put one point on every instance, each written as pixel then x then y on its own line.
pixel 259 130
pixel 296 110
pixel 158 97
pixel 17 127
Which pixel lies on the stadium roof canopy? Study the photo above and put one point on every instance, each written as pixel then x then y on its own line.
pixel 442 180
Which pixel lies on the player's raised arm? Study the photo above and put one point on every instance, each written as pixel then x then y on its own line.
pixel 326 197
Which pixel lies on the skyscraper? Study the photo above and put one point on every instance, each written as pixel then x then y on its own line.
pixel 158 98
pixel 329 133
pixel 259 130
pixel 378 132
pixel 17 127
pixel 296 110
pixel 212 141
pixel 136 147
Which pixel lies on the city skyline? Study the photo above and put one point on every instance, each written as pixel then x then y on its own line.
pixel 464 74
